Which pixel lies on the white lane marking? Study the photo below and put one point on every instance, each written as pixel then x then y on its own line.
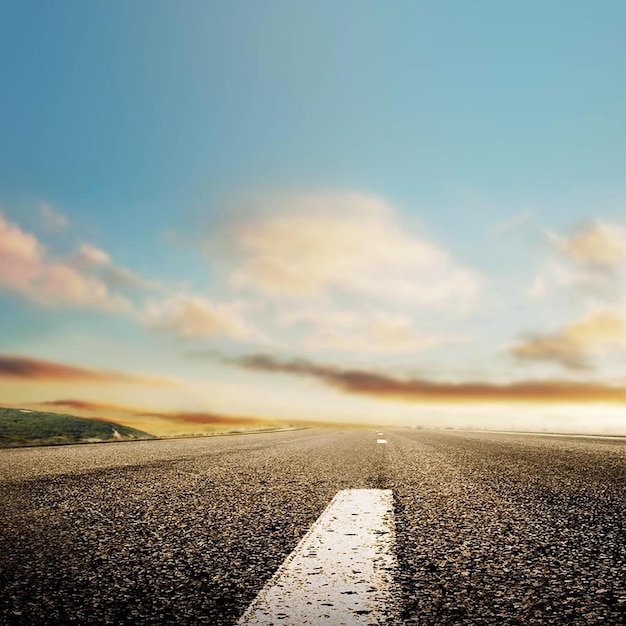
pixel 380 434
pixel 340 573
pixel 381 441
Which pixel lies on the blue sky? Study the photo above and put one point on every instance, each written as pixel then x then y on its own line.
pixel 492 131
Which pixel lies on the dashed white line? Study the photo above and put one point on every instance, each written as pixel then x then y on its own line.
pixel 381 441
pixel 341 573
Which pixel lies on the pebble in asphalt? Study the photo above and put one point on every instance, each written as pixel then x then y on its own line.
pixel 491 528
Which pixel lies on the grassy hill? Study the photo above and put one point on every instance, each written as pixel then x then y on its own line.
pixel 19 427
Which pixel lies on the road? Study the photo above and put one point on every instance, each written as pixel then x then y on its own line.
pixel 490 528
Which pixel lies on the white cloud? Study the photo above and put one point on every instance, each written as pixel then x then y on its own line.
pixel 590 261
pixel 88 256
pixel 51 219
pixel 315 245
pixel 125 279
pixel 194 316
pixel 600 246
pixel 358 331
pixel 379 332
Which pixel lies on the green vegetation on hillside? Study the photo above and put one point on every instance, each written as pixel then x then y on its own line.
pixel 21 427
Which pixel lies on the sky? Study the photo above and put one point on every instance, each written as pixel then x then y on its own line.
pixel 410 212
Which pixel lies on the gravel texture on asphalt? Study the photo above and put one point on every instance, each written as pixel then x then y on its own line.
pixel 491 528
pixel 508 529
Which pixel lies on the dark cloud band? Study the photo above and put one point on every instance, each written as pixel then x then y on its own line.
pixel 39 370
pixel 421 390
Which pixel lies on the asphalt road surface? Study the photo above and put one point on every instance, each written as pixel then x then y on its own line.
pixel 490 528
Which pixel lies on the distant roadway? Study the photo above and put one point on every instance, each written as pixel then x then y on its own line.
pixel 490 528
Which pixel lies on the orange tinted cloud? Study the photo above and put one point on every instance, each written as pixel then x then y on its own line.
pixel 574 344
pixel 421 390
pixel 186 417
pixel 26 368
pixel 81 405
pixel 209 418
pixel 25 267
pixel 87 278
